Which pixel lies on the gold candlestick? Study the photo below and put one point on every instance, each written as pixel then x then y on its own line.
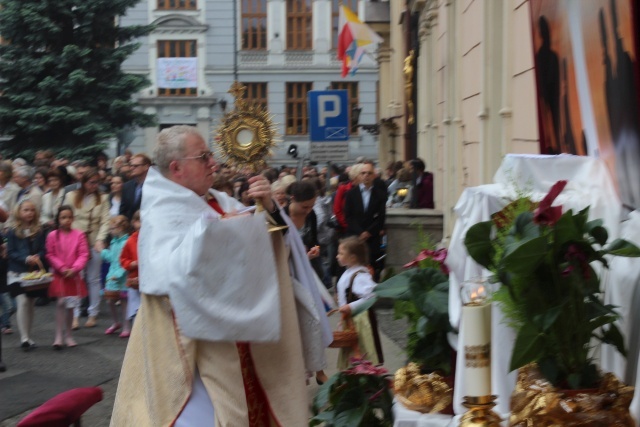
pixel 476 342
pixel 480 413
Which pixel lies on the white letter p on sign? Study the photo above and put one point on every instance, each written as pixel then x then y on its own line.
pixel 323 112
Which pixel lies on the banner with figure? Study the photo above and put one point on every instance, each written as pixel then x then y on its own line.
pixel 177 73
pixel 585 56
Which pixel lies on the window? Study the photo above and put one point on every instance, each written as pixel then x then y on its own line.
pixel 177 4
pixel 299 25
pixel 256 94
pixel 177 49
pixel 335 17
pixel 297 119
pixel 352 95
pixel 254 24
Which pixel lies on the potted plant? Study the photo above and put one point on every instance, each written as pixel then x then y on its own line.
pixel 421 295
pixel 356 397
pixel 550 290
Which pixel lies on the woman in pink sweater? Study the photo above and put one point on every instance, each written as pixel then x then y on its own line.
pixel 67 254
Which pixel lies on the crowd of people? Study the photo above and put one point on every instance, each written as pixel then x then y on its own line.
pixel 71 219
pixel 80 221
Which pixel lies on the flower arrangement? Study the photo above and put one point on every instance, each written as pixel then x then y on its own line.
pixel 359 396
pixel 421 295
pixel 550 290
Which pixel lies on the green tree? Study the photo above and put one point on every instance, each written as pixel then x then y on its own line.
pixel 61 83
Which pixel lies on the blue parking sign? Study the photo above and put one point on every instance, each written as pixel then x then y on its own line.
pixel 328 115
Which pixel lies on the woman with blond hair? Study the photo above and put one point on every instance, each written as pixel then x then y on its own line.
pixel 90 215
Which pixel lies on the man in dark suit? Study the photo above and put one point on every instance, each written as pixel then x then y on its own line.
pixel 364 209
pixel 132 189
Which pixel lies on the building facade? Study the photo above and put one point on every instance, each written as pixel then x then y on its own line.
pixel 279 49
pixel 471 82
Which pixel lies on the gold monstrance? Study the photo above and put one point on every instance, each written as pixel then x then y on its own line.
pixel 247 133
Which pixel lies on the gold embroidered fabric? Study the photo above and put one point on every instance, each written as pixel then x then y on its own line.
pixel 428 393
pixel 536 403
pixel 157 373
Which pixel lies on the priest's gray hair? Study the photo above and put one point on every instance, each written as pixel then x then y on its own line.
pixel 170 145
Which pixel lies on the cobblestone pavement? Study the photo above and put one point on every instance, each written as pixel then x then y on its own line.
pixel 36 376
pixel 395 329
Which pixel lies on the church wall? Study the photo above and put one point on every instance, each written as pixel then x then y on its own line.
pixel 476 92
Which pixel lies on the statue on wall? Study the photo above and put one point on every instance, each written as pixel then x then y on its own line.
pixel 408 85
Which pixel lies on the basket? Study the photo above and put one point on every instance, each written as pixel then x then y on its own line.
pixel 347 337
pixel 37 284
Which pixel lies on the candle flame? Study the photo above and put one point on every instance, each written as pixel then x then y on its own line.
pixel 477 294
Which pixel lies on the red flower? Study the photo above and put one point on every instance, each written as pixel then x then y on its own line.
pixel 438 256
pixel 546 214
pixel 364 367
pixel 576 255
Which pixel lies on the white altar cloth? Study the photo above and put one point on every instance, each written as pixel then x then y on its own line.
pixel 622 289
pixel 589 184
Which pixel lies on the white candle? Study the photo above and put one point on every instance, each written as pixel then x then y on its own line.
pixel 476 344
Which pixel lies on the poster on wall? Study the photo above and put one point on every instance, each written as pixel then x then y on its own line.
pixel 587 84
pixel 177 73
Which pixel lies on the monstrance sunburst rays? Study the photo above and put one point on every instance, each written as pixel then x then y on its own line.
pixel 246 134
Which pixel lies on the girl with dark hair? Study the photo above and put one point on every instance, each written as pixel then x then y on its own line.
pixel 67 254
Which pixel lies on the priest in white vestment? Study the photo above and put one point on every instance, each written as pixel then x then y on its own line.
pixel 217 340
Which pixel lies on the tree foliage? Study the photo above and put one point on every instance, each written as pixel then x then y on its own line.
pixel 61 81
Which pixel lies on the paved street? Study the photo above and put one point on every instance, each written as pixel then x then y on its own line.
pixel 36 376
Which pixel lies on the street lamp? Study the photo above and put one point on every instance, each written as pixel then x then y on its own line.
pixel 373 129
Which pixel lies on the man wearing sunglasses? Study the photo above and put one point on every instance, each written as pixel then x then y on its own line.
pixel 217 336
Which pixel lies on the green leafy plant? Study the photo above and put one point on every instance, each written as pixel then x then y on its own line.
pixel 421 295
pixel 550 291
pixel 356 397
pixel 61 79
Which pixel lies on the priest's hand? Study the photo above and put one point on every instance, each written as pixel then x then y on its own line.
pixel 260 190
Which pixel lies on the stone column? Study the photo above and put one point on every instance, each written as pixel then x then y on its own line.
pixel 322 32
pixel 386 149
pixel 151 133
